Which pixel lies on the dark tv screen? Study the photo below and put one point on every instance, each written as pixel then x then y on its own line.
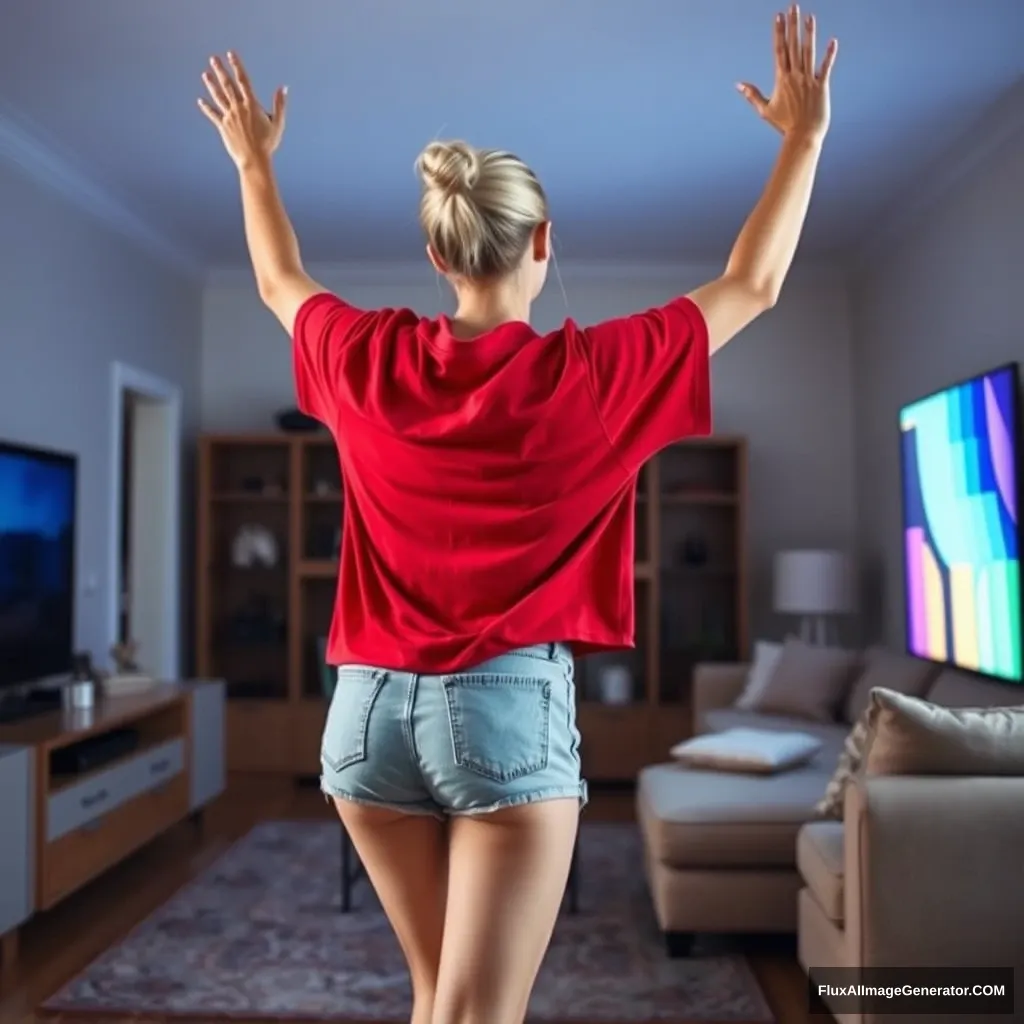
pixel 37 556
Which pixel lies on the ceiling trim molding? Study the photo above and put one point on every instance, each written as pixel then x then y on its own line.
pixel 997 128
pixel 410 274
pixel 21 147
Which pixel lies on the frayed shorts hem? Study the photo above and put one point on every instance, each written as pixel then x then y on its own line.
pixel 432 810
pixel 522 799
pixel 424 810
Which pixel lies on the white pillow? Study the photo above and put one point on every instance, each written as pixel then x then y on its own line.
pixel 766 657
pixel 748 750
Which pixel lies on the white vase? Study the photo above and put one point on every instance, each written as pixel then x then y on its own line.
pixel 616 685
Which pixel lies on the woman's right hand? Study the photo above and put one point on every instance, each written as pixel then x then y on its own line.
pixel 799 103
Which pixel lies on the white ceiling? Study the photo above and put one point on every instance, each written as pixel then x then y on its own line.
pixel 626 109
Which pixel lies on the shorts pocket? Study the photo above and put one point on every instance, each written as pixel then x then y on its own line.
pixel 348 718
pixel 500 724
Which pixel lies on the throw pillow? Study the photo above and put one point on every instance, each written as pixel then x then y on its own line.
pixel 748 750
pixel 847 768
pixel 915 737
pixel 808 681
pixel 766 657
pixel 900 672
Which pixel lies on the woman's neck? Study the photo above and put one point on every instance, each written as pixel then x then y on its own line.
pixel 483 309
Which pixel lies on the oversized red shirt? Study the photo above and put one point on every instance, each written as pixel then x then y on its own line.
pixel 490 484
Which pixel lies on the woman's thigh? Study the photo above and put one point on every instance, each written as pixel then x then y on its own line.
pixel 511 868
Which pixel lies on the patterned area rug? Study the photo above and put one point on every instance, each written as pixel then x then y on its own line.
pixel 259 936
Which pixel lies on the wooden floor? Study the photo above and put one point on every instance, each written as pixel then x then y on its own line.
pixel 55 946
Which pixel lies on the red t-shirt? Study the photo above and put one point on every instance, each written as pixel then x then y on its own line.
pixel 490 484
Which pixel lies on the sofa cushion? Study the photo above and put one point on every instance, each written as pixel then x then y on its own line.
pixel 766 657
pixel 761 751
pixel 909 736
pixel 715 820
pixel 808 681
pixel 820 859
pixel 953 689
pixel 899 672
pixel 831 734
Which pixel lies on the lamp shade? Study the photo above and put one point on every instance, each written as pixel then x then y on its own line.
pixel 814 583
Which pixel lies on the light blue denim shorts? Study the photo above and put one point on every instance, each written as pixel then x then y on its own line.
pixel 499 734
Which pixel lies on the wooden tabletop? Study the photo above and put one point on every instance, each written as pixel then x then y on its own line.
pixel 69 725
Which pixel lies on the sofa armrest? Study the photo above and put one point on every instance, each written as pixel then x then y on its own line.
pixel 934 871
pixel 716 685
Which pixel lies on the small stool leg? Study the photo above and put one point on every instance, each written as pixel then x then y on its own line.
pixel 574 878
pixel 346 871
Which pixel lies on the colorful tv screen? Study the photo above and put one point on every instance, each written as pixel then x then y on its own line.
pixel 961 532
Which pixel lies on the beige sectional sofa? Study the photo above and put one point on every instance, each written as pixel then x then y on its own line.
pixel 921 870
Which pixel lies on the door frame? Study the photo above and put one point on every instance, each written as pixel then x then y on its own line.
pixel 126 379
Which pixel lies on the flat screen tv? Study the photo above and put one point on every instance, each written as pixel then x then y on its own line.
pixel 961 524
pixel 37 563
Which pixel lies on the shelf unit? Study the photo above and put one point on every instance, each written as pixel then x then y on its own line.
pixel 261 628
pixel 691 605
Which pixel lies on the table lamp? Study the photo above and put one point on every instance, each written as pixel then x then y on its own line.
pixel 815 586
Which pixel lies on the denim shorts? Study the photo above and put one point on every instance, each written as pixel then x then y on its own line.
pixel 499 734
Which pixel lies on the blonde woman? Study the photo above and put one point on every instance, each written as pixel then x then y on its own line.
pixel 490 475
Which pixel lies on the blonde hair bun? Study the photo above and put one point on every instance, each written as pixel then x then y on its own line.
pixel 449 167
pixel 478 207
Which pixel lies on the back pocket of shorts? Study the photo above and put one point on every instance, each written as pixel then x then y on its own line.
pixel 500 724
pixel 348 718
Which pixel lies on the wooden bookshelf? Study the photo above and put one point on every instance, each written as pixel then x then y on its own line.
pixel 260 627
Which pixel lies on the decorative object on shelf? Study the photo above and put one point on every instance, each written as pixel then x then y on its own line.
pixel 291 421
pixel 615 684
pixel 79 694
pixel 254 546
pixel 693 552
pixel 128 676
pixel 125 657
pixel 817 586
pixel 81 691
pixel 328 674
pixel 323 488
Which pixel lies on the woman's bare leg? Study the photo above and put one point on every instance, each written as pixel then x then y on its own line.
pixel 405 856
pixel 508 872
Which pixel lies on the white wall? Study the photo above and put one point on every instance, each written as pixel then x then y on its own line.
pixel 74 298
pixel 785 383
pixel 942 305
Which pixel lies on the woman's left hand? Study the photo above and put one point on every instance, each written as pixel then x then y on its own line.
pixel 248 131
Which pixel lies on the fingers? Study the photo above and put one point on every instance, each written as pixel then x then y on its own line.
pixel 241 77
pixel 280 105
pixel 221 101
pixel 227 86
pixel 212 115
pixel 753 96
pixel 807 57
pixel 828 60
pixel 781 46
pixel 793 37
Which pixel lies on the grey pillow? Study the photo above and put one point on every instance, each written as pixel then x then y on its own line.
pixel 808 681
pixel 890 671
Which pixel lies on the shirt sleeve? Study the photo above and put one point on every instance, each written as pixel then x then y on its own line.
pixel 323 326
pixel 651 378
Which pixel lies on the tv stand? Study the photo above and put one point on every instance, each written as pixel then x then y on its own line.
pixel 16 707
pixel 63 827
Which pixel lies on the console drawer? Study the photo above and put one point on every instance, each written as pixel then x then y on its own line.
pixel 99 794
pixel 81 855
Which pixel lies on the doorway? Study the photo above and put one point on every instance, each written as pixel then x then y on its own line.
pixel 145 577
